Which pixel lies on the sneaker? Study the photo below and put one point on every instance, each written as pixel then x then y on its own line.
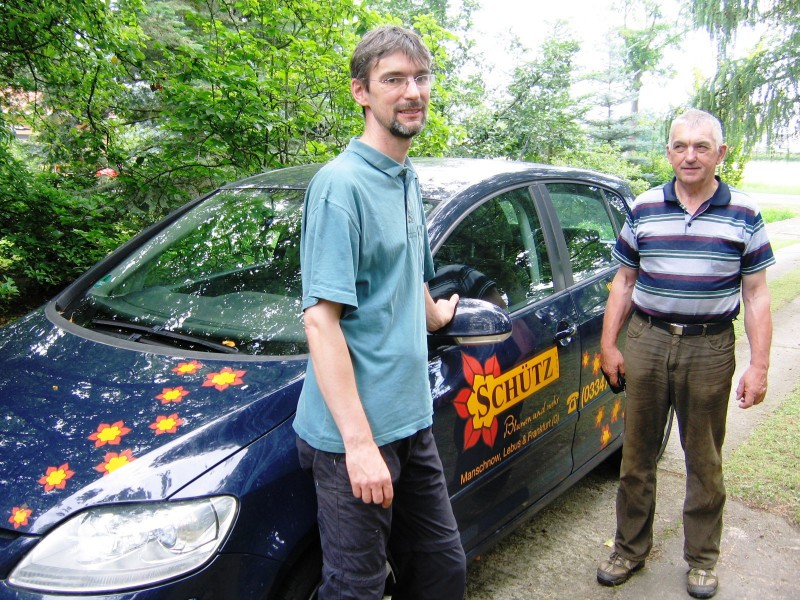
pixel 617 570
pixel 701 583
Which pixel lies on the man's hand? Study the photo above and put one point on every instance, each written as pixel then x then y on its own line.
pixel 369 475
pixel 752 387
pixel 612 364
pixel 439 313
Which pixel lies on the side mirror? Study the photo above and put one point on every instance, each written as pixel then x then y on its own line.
pixel 476 322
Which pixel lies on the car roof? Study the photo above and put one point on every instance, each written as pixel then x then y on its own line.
pixel 442 178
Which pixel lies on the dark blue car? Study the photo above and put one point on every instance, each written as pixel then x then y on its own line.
pixel 146 446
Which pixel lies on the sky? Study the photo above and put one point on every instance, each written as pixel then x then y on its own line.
pixel 591 21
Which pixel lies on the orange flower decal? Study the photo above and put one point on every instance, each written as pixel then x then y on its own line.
pixel 599 416
pixel 55 478
pixel 585 359
pixel 605 437
pixel 109 434
pixel 474 371
pixel 168 395
pixel 226 377
pixel 596 365
pixel 187 368
pixel 615 412
pixel 113 461
pixel 19 516
pixel 168 424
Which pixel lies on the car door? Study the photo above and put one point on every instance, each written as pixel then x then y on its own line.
pixel 503 422
pixel 590 218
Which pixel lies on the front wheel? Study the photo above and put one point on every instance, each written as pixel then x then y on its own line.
pixel 305 579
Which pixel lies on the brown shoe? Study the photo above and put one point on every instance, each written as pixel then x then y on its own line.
pixel 617 570
pixel 702 583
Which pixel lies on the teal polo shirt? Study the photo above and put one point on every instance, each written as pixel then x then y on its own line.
pixel 364 244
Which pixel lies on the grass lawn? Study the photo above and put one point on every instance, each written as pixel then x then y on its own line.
pixel 763 471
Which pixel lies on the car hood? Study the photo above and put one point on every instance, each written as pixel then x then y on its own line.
pixel 85 422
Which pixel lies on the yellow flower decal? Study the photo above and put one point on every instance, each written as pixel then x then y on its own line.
pixel 226 377
pixel 109 434
pixel 168 424
pixel 168 395
pixel 19 516
pixel 113 461
pixel 616 411
pixel 599 416
pixel 55 478
pixel 605 437
pixel 187 368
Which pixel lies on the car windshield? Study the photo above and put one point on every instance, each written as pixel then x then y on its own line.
pixel 223 277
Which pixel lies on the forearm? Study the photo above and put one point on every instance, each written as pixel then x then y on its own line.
pixel 335 376
pixel 758 327
pixel 618 307
pixel 438 313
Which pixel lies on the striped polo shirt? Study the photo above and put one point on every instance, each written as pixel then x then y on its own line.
pixel 691 266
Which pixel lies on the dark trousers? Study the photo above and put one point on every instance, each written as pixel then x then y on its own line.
pixel 693 373
pixel 419 529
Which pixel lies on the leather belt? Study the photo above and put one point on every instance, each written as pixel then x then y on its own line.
pixel 679 329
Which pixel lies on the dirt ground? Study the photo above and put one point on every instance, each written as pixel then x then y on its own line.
pixel 555 555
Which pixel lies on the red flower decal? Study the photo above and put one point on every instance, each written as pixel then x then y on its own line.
pixel 19 516
pixel 168 424
pixel 175 394
pixel 226 377
pixel 113 461
pixel 55 478
pixel 474 373
pixel 109 434
pixel 187 368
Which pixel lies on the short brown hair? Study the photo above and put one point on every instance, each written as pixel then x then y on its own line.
pixel 383 41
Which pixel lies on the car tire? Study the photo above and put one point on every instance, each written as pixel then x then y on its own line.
pixel 305 578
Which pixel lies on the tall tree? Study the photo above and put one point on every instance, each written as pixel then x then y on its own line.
pixel 756 96
pixel 535 118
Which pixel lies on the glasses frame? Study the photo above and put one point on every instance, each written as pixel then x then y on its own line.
pixel 397 82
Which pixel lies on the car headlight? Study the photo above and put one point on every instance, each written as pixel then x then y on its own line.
pixel 116 547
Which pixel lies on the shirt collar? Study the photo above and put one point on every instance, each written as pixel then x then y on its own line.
pixel 721 197
pixel 379 160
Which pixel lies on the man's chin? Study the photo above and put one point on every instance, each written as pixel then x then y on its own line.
pixel 406 131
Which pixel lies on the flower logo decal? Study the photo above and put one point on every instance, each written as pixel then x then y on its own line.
pixel 477 376
pixel 55 478
pixel 168 424
pixel 109 434
pixel 224 378
pixel 114 461
pixel 19 516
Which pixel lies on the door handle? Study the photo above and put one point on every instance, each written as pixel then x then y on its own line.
pixel 564 336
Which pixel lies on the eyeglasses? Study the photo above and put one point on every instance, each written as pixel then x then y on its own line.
pixel 395 83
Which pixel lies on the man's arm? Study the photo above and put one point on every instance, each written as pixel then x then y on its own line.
pixel 618 308
pixel 333 368
pixel 439 313
pixel 758 326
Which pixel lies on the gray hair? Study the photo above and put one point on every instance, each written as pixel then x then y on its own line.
pixel 695 117
pixel 383 41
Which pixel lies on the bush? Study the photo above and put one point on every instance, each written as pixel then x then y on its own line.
pixel 49 236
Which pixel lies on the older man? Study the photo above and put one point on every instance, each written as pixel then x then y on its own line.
pixel 688 251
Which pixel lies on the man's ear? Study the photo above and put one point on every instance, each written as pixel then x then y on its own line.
pixel 359 91
pixel 723 150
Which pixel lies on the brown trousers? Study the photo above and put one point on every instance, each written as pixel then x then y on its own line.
pixel 693 373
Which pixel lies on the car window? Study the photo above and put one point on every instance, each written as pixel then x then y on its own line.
pixel 590 218
pixel 225 273
pixel 497 253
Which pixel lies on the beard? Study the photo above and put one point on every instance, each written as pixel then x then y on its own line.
pixel 397 129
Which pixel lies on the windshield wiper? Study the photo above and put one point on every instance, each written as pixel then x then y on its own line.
pixel 141 333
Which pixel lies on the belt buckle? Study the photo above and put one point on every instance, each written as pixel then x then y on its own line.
pixel 676 329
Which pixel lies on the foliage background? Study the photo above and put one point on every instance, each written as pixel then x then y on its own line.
pixel 179 96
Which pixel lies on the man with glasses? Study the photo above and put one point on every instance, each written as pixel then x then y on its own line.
pixel 365 413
